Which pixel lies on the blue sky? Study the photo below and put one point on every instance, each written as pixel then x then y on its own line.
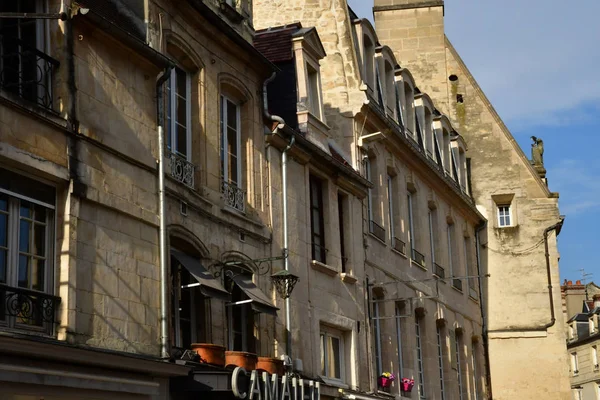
pixel 538 62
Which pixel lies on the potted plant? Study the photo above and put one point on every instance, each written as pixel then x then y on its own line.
pixel 241 359
pixel 406 384
pixel 270 365
pixel 385 380
pixel 210 353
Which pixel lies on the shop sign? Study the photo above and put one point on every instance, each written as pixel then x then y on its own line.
pixel 257 386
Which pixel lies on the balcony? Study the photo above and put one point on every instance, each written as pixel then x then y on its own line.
pixel 418 258
pixel 26 72
pixel 182 170
pixel 439 271
pixel 377 230
pixel 27 307
pixel 399 246
pixel 457 284
pixel 234 196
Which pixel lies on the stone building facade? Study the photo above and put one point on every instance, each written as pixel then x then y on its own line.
pixel 581 307
pixel 415 264
pixel 520 252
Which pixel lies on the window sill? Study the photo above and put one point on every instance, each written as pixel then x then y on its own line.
pixel 371 234
pixel 348 278
pixel 401 254
pixel 458 290
pixel 386 394
pixel 333 382
pixel 324 268
pixel 418 264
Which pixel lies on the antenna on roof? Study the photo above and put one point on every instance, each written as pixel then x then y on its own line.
pixel 584 278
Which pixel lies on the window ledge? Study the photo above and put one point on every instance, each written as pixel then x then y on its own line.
pixel 333 382
pixel 458 290
pixel 348 278
pixel 324 268
pixel 400 254
pixel 418 264
pixel 371 234
pixel 386 394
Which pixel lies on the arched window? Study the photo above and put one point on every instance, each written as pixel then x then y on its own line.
pixel 235 124
pixel 409 108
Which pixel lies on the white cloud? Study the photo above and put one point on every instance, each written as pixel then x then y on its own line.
pixel 578 184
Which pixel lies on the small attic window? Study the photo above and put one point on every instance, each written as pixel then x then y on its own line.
pixel 459 98
pixel 453 78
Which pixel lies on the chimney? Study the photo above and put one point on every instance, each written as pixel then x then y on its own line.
pixel 578 282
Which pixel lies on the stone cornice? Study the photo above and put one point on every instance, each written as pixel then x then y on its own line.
pixel 420 4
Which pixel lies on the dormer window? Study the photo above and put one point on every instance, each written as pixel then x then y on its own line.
pixel 459 161
pixel 368 63
pixel 390 90
pixel 314 91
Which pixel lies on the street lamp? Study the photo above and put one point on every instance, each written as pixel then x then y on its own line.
pixel 284 282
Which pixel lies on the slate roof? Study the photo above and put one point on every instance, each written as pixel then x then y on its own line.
pixel 276 43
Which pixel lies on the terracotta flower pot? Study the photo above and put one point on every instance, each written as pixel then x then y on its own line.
pixel 270 365
pixel 241 359
pixel 210 353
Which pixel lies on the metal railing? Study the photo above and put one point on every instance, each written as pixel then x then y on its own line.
pixel 29 307
pixel 377 230
pixel 439 271
pixel 181 169
pixel 418 257
pixel 399 245
pixel 457 283
pixel 233 195
pixel 26 71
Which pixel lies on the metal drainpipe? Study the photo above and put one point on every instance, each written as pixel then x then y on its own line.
pixel 285 251
pixel 286 264
pixel 164 276
pixel 484 334
pixel 542 328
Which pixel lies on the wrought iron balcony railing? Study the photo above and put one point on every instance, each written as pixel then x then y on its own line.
pixel 418 257
pixel 26 71
pixel 29 307
pixel 457 283
pixel 234 196
pixel 377 230
pixel 181 169
pixel 439 271
pixel 399 246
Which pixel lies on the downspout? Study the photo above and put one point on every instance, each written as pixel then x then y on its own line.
pixel 286 264
pixel 542 328
pixel 162 230
pixel 285 250
pixel 484 333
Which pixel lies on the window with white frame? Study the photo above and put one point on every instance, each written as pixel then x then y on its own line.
pixel 420 361
pixel 475 372
pixel 440 346
pixel 595 357
pixel 578 394
pixel 332 353
pixel 457 346
pixel 231 165
pixel 409 110
pixel 368 173
pixel 504 215
pixel 26 250
pixel 368 62
pixel 574 363
pixel 451 249
pixel 377 336
pixel 411 221
pixel 399 338
pixel 390 90
pixel 592 325
pixel 391 196
pixel 179 111
pixel 432 218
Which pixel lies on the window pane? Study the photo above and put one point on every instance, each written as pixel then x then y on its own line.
pixel 3 202
pixel 40 213
pixel 3 229
pixel 181 111
pixel 26 209
pixel 334 358
pixel 37 274
pixel 2 266
pixel 323 372
pixel 231 115
pixel 39 240
pixel 24 271
pixel 181 82
pixel 24 235
pixel 181 140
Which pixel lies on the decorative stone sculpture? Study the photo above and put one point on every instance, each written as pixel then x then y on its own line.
pixel 537 151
